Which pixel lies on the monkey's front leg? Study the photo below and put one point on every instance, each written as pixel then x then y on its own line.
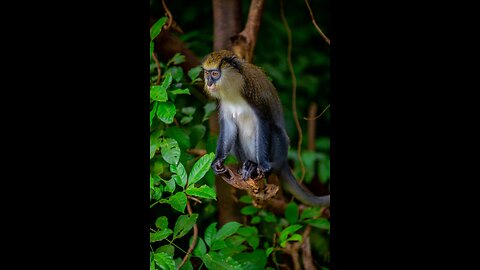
pixel 226 139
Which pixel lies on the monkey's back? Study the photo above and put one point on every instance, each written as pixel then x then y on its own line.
pixel 261 92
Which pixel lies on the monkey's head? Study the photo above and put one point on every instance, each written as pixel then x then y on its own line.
pixel 221 71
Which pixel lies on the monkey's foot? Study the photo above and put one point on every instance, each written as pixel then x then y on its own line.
pixel 249 170
pixel 218 167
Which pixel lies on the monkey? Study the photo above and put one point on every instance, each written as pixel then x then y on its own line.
pixel 251 121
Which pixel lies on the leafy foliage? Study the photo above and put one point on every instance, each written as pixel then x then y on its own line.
pixel 179 123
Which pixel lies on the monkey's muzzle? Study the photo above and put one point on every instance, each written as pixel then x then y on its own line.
pixel 211 87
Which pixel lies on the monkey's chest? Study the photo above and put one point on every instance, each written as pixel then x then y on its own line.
pixel 246 122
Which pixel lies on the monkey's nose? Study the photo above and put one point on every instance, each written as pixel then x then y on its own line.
pixel 209 83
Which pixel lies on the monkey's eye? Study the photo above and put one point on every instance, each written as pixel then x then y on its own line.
pixel 215 74
pixel 206 73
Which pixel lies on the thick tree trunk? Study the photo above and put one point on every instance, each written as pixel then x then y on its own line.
pixel 226 23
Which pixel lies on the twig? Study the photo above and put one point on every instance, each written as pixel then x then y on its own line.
pixel 194 199
pixel 311 126
pixel 315 24
pixel 158 67
pixel 294 91
pixel 197 152
pixel 324 110
pixel 194 238
pixel 169 15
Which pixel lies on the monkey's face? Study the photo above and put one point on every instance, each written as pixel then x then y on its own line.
pixel 221 73
pixel 211 78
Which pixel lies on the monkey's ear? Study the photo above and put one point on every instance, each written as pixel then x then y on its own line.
pixel 233 61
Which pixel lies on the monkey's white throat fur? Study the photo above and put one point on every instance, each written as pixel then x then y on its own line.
pixel 242 115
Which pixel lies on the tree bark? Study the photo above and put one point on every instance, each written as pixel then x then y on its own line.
pixel 226 23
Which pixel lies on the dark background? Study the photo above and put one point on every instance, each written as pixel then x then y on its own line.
pixel 71 74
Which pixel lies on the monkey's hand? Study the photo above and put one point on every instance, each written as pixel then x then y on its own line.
pixel 248 168
pixel 218 167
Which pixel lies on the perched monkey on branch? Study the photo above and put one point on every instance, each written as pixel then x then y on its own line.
pixel 252 124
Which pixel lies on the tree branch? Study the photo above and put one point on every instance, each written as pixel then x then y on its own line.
pixel 315 24
pixel 245 41
pixel 307 251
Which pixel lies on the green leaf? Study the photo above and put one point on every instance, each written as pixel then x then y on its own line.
pixel 180 91
pixel 295 237
pixel 210 233
pixel 160 235
pixel 249 210
pixel 175 72
pixel 178 59
pixel 200 249
pixel 218 244
pixel 169 185
pixel 196 134
pixel 231 250
pixel 161 222
pixel 166 111
pixel 256 220
pixel 227 230
pixel 154 143
pixel 216 261
pixel 246 199
pixel 186 119
pixel 170 150
pixel 178 201
pixel 158 93
pixel 194 72
pixel 153 112
pixel 187 266
pixel 167 81
pixel 247 231
pixel 253 241
pixel 234 240
pixel 157 27
pixel 181 177
pixel 158 167
pixel 188 110
pixel 323 144
pixel 200 168
pixel 310 212
pixel 291 213
pixel 202 192
pixel 269 250
pixel 157 192
pixel 270 217
pixel 164 260
pixel 290 229
pixel 184 224
pixel 180 135
pixel 169 249
pixel 321 223
pixel 256 260
pixel 209 109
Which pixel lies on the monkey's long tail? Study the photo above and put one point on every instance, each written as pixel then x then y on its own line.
pixel 305 196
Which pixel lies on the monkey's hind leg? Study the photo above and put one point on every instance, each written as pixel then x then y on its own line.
pixel 249 170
